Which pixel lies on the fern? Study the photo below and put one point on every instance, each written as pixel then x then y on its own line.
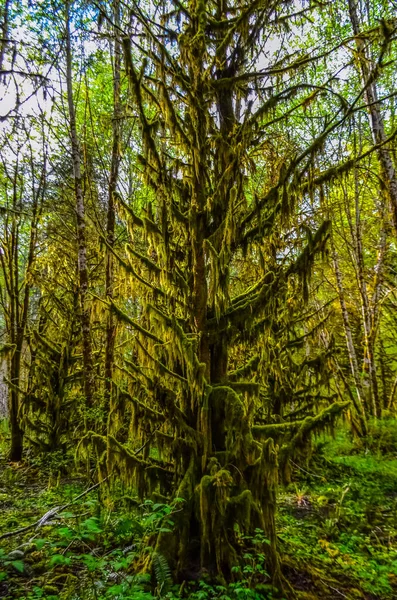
pixel 162 572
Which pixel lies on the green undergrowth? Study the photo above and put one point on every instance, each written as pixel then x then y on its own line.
pixel 337 521
pixel 337 529
pixel 99 550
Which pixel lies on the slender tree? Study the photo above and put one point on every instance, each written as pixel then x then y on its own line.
pixel 89 382
pixel 113 179
pixel 5 20
pixel 368 73
pixel 21 177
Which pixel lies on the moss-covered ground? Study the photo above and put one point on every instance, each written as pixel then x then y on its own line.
pixel 337 527
pixel 337 521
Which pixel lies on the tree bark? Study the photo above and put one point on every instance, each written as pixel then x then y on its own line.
pixel 359 404
pixel 375 117
pixel 81 223
pixel 110 222
pixel 5 14
pixel 16 448
pixel 369 349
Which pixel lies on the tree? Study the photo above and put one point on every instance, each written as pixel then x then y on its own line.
pixel 369 72
pixel 49 403
pixel 111 212
pixel 224 183
pixel 89 382
pixel 24 180
pixel 228 353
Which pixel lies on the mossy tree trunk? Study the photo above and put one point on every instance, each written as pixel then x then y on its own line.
pixel 111 216
pixel 89 375
pixel 208 341
pixel 17 257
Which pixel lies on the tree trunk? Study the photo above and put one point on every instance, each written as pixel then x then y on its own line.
pixel 5 15
pixel 16 448
pixel 369 349
pixel 375 117
pixel 390 403
pixel 110 223
pixel 81 223
pixel 359 402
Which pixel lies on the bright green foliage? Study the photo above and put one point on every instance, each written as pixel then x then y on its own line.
pixel 337 524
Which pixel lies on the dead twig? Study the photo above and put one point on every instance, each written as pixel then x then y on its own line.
pixel 52 512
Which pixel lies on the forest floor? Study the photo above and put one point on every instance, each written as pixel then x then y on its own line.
pixel 337 528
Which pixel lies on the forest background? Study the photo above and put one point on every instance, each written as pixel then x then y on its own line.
pixel 198 221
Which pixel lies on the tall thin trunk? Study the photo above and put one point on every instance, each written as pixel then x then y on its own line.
pixel 369 350
pixel 16 448
pixel 359 403
pixel 376 299
pixel 378 280
pixel 375 117
pixel 81 222
pixel 110 224
pixel 19 311
pixel 390 402
pixel 5 25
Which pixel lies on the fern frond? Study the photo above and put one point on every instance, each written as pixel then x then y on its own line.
pixel 162 571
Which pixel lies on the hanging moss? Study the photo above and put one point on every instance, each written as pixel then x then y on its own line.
pixel 7 349
pixel 51 348
pixel 216 275
pixel 149 264
pixel 135 219
pixel 303 264
pixel 247 369
pixel 317 422
pixel 127 319
pixel 142 408
pixel 245 387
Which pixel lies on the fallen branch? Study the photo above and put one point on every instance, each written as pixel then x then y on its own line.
pixel 54 511
pixel 51 513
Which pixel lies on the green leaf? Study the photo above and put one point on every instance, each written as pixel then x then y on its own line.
pixel 92 562
pixel 65 532
pixel 119 564
pixel 115 590
pixel 91 525
pixel 123 526
pixel 235 569
pixel 18 565
pixel 60 559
